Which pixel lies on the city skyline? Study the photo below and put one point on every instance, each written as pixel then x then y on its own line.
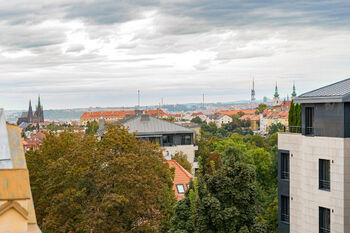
pixel 99 53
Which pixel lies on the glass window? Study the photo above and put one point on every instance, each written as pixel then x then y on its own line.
pixel 167 140
pixel 180 188
pixel 324 220
pixel 285 166
pixel 284 208
pixel 188 186
pixel 324 174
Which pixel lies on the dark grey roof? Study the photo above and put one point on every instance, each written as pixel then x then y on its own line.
pixel 147 125
pixel 336 92
pixel 216 116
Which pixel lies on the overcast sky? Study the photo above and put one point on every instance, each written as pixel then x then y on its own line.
pixel 78 53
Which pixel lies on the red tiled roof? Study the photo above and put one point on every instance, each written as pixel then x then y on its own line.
pixel 181 177
pixel 233 112
pixel 250 117
pixel 119 114
pixel 197 113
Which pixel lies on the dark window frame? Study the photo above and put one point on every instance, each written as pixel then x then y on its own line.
pixel 285 209
pixel 309 120
pixel 285 166
pixel 324 220
pixel 324 174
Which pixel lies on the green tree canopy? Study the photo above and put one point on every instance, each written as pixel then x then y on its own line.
pixel 117 184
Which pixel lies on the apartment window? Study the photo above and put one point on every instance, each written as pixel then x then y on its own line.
pixel 186 140
pixel 324 220
pixel 324 174
pixel 180 188
pixel 309 121
pixel 285 209
pixel 285 166
pixel 168 140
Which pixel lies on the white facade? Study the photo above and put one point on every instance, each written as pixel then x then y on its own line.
pixel 189 150
pixel 305 196
pixel 222 119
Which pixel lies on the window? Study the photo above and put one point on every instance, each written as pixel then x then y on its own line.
pixel 285 209
pixel 324 220
pixel 188 186
pixel 324 174
pixel 285 166
pixel 186 140
pixel 180 188
pixel 167 140
pixel 309 121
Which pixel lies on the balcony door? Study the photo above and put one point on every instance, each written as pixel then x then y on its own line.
pixel 309 120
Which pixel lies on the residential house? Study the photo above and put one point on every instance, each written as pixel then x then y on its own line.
pixel 254 119
pixel 171 137
pixel 181 180
pixel 219 119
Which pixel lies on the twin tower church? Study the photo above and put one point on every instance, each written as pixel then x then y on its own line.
pixel 31 117
pixel 276 97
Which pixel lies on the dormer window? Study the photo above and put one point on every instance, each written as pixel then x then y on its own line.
pixel 180 188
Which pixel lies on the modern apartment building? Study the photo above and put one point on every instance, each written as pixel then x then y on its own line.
pixel 172 138
pixel 314 164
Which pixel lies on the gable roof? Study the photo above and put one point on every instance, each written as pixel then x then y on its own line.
pixel 147 125
pixel 181 177
pixel 336 92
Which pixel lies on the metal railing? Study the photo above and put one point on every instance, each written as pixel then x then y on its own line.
pixel 324 184
pixel 284 175
pixel 285 217
pixel 324 230
pixel 307 131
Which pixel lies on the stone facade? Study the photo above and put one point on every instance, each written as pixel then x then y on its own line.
pixel 305 195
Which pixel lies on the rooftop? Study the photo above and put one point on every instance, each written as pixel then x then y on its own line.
pixel 336 92
pixel 146 125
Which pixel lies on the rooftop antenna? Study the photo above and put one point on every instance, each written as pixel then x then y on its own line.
pixel 138 99
pixel 203 102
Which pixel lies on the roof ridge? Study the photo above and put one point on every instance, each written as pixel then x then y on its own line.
pixel 182 168
pixel 329 85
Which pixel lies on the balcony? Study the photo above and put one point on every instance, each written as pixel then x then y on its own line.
pixel 307 131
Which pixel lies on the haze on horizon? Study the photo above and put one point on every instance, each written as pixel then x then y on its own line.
pixel 80 53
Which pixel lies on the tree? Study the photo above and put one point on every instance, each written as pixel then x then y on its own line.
pixel 276 127
pixel 118 184
pixel 182 159
pixel 240 114
pixel 91 127
pixel 197 120
pixel 261 108
pixel 226 200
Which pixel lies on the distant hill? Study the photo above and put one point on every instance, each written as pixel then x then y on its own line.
pixel 75 114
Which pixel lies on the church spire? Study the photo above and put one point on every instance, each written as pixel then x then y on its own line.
pixel 294 94
pixel 39 104
pixel 276 95
pixel 30 112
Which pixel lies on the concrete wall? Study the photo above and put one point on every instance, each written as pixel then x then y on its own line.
pixel 305 196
